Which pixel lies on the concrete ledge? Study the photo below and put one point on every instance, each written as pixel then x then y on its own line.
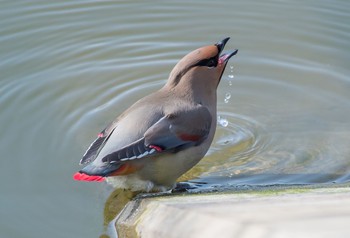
pixel 322 212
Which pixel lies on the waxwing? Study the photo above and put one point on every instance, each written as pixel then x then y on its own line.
pixel 164 134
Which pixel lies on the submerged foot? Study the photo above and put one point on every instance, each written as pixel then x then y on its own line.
pixel 186 186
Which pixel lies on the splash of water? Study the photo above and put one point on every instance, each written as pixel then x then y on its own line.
pixel 222 121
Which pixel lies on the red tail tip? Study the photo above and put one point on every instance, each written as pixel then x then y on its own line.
pixel 84 177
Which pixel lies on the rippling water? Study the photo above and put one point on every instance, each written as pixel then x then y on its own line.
pixel 69 67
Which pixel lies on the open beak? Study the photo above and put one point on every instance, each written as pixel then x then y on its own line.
pixel 226 56
pixel 221 44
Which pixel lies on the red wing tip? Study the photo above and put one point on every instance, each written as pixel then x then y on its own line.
pixel 157 148
pixel 89 178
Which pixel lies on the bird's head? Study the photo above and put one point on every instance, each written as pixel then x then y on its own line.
pixel 203 66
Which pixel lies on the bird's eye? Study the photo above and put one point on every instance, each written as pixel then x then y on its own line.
pixel 211 63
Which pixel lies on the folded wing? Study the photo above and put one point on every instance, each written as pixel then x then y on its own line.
pixel 172 133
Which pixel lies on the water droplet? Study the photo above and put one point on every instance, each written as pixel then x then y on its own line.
pixel 227 97
pixel 222 121
pixel 231 67
pixel 230 83
pixel 231 76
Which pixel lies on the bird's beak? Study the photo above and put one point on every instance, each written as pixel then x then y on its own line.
pixel 226 56
pixel 221 44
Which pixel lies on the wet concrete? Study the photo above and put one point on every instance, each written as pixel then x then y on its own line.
pixel 291 212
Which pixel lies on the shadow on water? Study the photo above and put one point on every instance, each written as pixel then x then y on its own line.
pixel 114 204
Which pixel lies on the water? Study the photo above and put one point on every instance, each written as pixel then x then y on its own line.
pixel 69 67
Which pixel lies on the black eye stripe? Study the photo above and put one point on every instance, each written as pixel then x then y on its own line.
pixel 211 62
pixel 203 62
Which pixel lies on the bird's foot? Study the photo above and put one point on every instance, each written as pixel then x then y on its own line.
pixel 186 187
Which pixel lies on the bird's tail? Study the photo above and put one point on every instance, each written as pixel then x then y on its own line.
pixel 92 173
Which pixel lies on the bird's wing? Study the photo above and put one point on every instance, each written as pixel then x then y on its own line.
pixel 172 133
pixel 98 143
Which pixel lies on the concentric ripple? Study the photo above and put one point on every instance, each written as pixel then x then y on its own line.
pixel 238 138
pixel 70 67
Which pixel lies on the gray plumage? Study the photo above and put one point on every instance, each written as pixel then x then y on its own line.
pixel 166 133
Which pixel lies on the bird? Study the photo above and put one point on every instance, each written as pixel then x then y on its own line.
pixel 163 135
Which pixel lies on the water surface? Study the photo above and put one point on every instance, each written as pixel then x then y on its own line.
pixel 69 67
